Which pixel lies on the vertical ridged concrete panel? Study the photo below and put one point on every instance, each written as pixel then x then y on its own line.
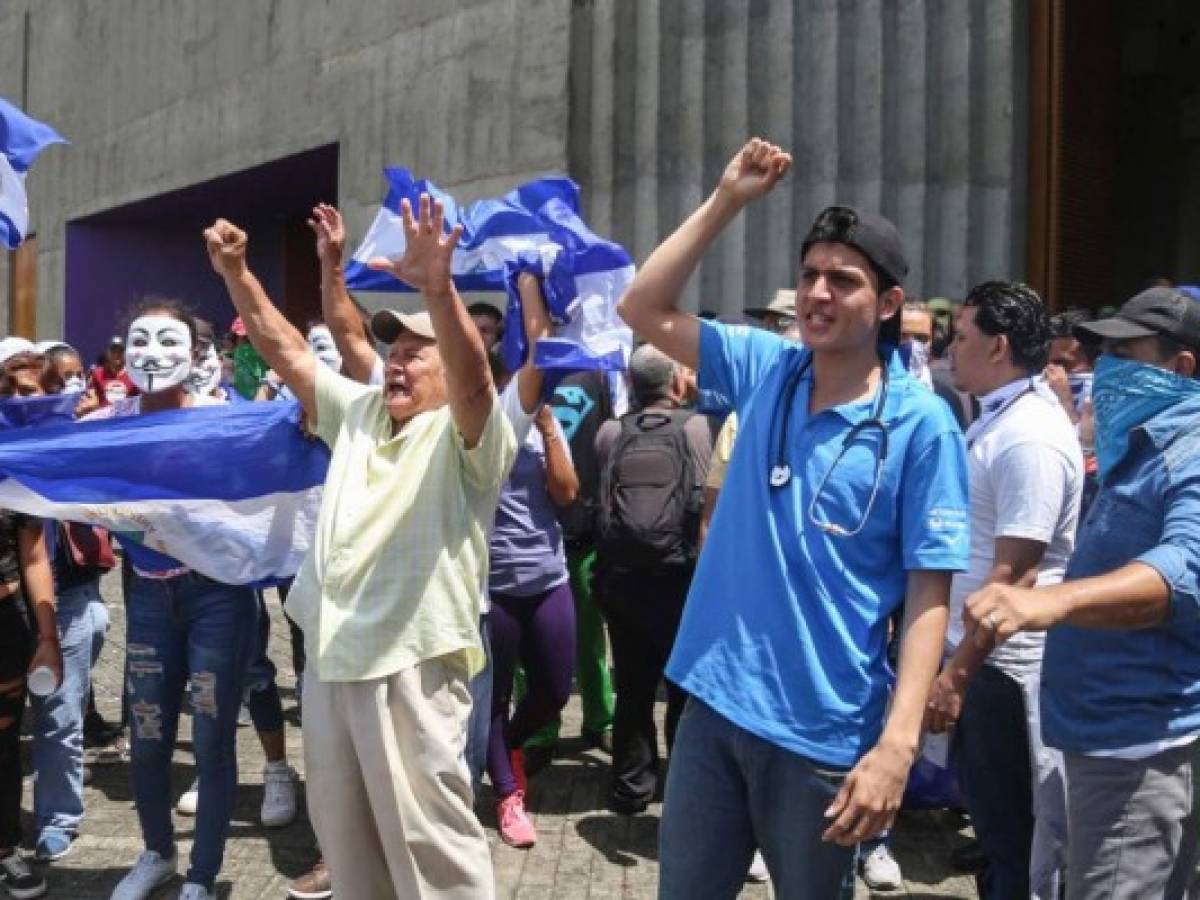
pixel 911 107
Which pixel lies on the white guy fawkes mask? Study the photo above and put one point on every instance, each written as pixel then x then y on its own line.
pixel 206 372
pixel 158 353
pixel 323 347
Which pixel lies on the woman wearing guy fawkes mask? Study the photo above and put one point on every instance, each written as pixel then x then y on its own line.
pixel 182 628
pixel 207 376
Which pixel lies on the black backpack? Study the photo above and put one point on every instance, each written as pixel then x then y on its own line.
pixel 649 501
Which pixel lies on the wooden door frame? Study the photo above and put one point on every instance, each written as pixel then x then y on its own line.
pixel 1045 116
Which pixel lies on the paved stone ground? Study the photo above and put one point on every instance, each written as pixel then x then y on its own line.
pixel 584 851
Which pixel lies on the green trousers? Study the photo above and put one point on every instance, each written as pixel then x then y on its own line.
pixel 591 656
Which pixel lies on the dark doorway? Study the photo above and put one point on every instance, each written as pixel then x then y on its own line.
pixel 1114 148
pixel 154 247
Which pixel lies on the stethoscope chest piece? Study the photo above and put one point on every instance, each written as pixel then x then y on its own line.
pixel 780 475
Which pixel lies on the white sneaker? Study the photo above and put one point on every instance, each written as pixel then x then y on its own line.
pixel 149 873
pixel 279 797
pixel 193 891
pixel 189 799
pixel 880 870
pixel 758 873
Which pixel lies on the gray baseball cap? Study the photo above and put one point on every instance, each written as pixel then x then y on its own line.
pixel 1158 311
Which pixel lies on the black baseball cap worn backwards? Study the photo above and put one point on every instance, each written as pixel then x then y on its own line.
pixel 871 235
pixel 1159 311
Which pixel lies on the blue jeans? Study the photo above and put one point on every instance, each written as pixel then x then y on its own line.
pixel 262 693
pixel 480 721
pixel 58 718
pixel 187 629
pixel 729 791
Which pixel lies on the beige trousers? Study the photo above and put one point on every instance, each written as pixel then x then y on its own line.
pixel 389 793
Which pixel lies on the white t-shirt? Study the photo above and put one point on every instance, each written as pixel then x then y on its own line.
pixel 1025 471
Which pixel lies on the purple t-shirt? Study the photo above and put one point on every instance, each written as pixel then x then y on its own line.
pixel 527 545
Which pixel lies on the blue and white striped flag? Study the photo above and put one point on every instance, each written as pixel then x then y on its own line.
pixel 232 492
pixel 21 140
pixel 536 227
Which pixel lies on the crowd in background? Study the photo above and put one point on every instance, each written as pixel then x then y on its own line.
pixel 844 522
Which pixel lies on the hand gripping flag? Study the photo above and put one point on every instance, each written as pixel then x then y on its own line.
pixel 535 228
pixel 232 492
pixel 21 140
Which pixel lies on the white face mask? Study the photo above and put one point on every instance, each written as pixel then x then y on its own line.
pixel 323 347
pixel 72 384
pixel 206 373
pixel 158 353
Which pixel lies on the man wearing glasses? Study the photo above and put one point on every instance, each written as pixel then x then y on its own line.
pixel 846 495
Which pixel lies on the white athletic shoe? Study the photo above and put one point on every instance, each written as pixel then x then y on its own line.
pixel 193 891
pixel 279 797
pixel 880 870
pixel 189 799
pixel 758 873
pixel 149 873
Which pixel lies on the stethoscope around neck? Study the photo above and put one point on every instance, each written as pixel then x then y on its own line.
pixel 781 470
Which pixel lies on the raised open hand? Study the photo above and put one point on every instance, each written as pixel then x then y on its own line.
pixel 425 264
pixel 226 248
pixel 327 225
pixel 754 170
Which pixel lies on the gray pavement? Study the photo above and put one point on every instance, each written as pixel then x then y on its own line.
pixel 583 851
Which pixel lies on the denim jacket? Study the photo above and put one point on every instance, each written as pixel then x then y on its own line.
pixel 1108 689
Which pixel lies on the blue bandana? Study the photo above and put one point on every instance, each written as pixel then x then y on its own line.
pixel 1126 394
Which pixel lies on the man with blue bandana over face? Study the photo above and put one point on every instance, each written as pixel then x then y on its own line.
pixel 1121 677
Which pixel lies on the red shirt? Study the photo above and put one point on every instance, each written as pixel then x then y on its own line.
pixel 111 387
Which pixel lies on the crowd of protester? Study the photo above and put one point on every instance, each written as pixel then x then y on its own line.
pixel 827 534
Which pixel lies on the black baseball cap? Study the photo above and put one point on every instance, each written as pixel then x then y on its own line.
pixel 870 234
pixel 1158 311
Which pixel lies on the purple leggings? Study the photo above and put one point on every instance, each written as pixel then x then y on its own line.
pixel 538 630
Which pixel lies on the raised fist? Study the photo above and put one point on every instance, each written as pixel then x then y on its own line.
pixel 226 248
pixel 754 170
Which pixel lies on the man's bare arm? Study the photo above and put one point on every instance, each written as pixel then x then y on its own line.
pixel 273 336
pixel 337 308
pixel 651 304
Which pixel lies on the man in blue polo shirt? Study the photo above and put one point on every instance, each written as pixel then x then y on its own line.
pixel 1121 675
pixel 846 495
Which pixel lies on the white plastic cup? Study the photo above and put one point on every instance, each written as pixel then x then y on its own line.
pixel 42 682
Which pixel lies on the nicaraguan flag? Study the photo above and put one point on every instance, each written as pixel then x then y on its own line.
pixel 21 140
pixel 536 227
pixel 229 491
pixel 52 409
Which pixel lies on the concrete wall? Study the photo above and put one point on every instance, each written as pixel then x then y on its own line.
pixel 915 107
pixel 158 94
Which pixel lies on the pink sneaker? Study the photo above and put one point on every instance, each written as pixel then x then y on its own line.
pixel 516 829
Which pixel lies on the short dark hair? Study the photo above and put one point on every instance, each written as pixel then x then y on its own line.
pixel 1016 311
pixel 1063 324
pixel 482 308
pixel 59 352
pixel 1168 347
pixel 1066 324
pixel 166 305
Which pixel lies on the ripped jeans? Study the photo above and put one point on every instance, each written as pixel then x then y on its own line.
pixel 181 630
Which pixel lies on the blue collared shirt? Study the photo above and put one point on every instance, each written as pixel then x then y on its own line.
pixel 785 629
pixel 1108 689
